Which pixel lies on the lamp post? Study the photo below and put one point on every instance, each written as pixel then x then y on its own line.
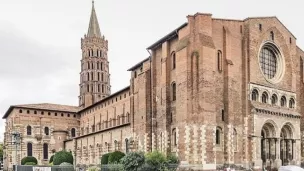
pixel 16 141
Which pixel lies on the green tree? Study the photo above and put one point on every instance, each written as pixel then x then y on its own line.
pixel 1 152
pixel 115 157
pixel 62 156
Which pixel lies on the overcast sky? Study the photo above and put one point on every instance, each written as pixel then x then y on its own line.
pixel 40 39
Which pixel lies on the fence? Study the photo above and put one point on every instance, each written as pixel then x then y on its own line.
pixel 44 168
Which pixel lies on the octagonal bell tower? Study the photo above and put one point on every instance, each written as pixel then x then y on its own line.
pixel 94 76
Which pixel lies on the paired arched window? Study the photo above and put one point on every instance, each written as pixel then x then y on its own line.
pixel 283 101
pixel 28 130
pixel 292 103
pixel 73 132
pixel 173 60
pixel 102 77
pixel 174 142
pixel 173 91
pixel 29 149
pixel 218 135
pixel 255 95
pixel 219 61
pixel 45 151
pixel 274 99
pixel 46 131
pixel 264 97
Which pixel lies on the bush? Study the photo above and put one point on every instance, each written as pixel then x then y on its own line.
pixel 105 158
pixel 133 161
pixel 29 159
pixel 156 160
pixel 51 159
pixel 115 157
pixel 30 164
pixel 62 156
pixel 172 159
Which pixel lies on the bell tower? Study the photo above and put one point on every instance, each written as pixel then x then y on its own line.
pixel 94 76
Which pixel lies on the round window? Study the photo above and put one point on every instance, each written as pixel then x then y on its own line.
pixel 271 62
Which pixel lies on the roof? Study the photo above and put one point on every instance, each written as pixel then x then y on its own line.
pixel 138 64
pixel 94 30
pixel 43 106
pixel 167 37
pixel 105 99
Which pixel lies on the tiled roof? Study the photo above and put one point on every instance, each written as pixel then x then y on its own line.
pixel 44 106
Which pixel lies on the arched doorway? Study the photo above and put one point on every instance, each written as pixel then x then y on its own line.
pixel 287 144
pixel 268 144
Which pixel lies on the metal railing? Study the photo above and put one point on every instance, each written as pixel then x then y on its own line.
pixel 44 168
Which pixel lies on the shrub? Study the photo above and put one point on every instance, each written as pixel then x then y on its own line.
pixel 93 168
pixel 51 159
pixel 29 159
pixel 30 164
pixel 62 156
pixel 172 159
pixel 65 164
pixel 105 158
pixel 133 161
pixel 115 157
pixel 156 160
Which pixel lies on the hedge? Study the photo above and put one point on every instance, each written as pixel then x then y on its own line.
pixel 62 156
pixel 105 158
pixel 30 164
pixel 115 157
pixel 29 159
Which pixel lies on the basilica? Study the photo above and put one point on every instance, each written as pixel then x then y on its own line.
pixel 213 91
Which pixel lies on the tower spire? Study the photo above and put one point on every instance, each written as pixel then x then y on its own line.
pixel 94 30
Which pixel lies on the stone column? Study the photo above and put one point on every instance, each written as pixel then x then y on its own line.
pixel 258 157
pixel 278 161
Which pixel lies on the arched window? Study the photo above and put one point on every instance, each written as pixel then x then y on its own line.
pixel 219 61
pixel 46 131
pixel 97 65
pixel 101 66
pixel 92 77
pixel 174 137
pixel 28 130
pixel 283 101
pixel 173 60
pixel 254 95
pixel 118 120
pixel 20 111
pixel 127 145
pixel 274 99
pixel 92 52
pixel 173 90
pixel 102 88
pixel 264 97
pixel 73 132
pixel 88 65
pixel 291 103
pixel 271 36
pixel 89 53
pixel 88 76
pixel 98 76
pixel 29 149
pixel 45 151
pixel 218 135
pixel 101 76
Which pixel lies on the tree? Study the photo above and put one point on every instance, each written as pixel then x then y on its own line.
pixel 62 156
pixel 115 157
pixel 1 152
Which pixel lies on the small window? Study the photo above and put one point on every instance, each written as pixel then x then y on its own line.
pixel 28 112
pixel 135 74
pixel 35 112
pixel 241 29
pixel 292 103
pixel 260 27
pixel 42 113
pixel 62 114
pixel 46 131
pixel 218 135
pixel 101 66
pixel 219 61
pixel 264 97
pixel 49 113
pixel 73 132
pixel 28 130
pixel 173 60
pixel 174 137
pixel 254 95
pixel 274 99
pixel 173 91
pixel 223 115
pixel 271 36
pixel 68 115
pixel 20 111
pixel 55 114
pixel 74 116
pixel 290 40
pixel 283 101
